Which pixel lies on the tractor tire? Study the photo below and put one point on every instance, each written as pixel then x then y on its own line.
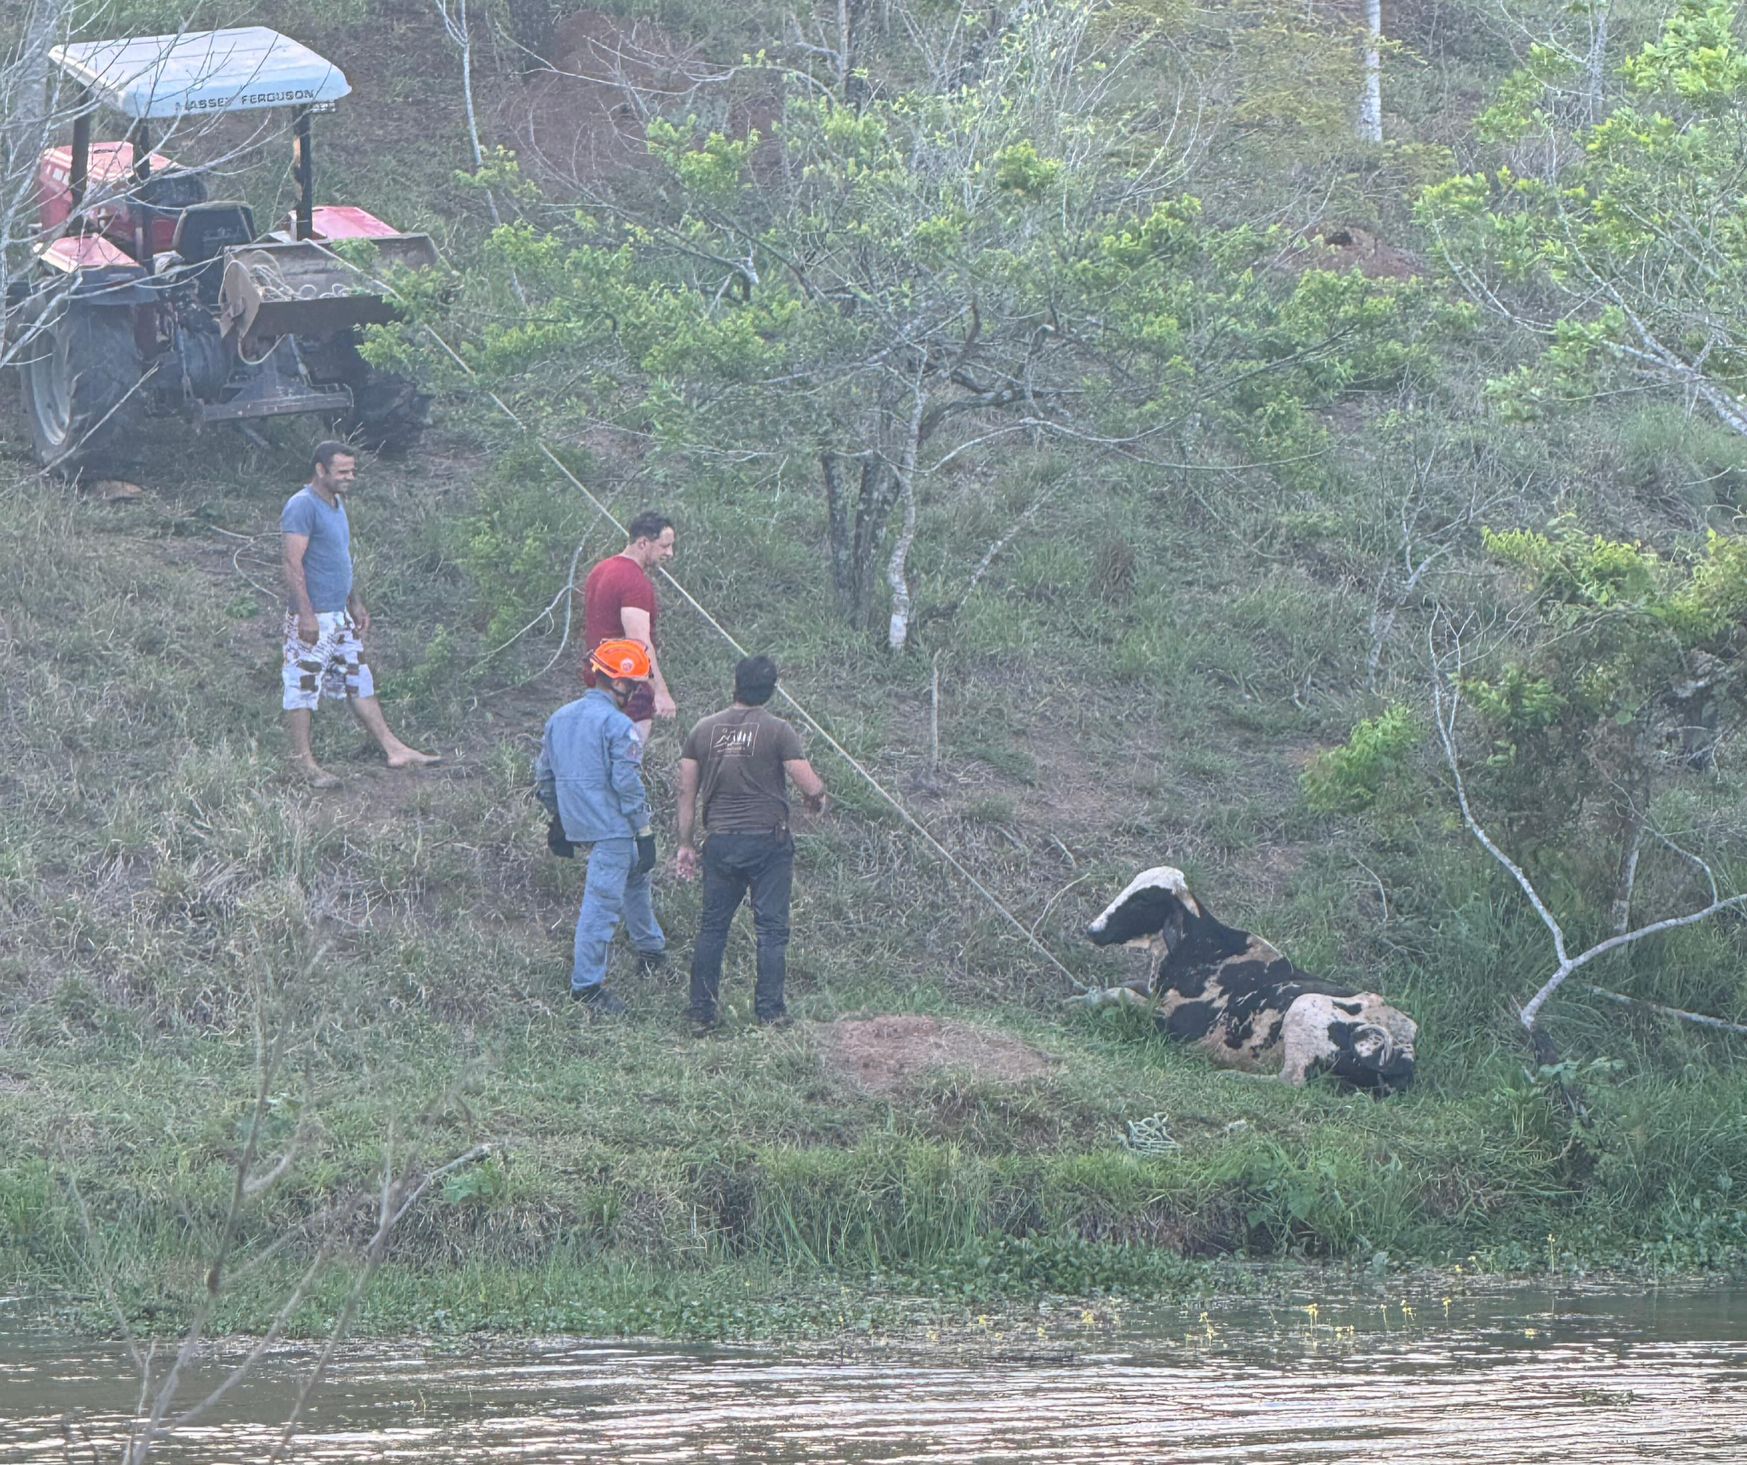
pixel 79 378
pixel 388 410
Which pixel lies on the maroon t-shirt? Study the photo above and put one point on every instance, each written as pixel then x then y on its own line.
pixel 613 584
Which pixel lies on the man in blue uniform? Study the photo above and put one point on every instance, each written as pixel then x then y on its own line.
pixel 589 776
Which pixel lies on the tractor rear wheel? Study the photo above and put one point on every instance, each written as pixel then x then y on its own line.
pixel 80 374
pixel 388 410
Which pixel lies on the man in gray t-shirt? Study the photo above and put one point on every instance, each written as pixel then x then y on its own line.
pixel 326 620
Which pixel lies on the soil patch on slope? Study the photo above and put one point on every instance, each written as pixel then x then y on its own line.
pixel 887 1054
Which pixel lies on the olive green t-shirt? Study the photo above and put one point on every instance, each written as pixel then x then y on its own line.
pixel 740 755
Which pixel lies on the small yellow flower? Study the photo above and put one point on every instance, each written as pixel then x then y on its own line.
pixel 1312 1311
pixel 1406 1311
pixel 1087 1318
pixel 1530 1332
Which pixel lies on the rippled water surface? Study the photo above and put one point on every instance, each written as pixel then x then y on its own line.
pixel 1525 1376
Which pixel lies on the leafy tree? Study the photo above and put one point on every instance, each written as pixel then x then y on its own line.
pixel 1629 259
pixel 884 292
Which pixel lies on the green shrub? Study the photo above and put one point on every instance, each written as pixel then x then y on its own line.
pixel 1352 778
pixel 517 543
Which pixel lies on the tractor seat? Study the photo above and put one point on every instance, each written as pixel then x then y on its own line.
pixel 207 229
pixel 203 233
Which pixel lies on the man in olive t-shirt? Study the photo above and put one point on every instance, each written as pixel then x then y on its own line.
pixel 732 772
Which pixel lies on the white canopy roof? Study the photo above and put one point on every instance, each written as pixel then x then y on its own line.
pixel 235 70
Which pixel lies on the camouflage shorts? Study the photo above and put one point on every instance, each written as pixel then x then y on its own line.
pixel 333 667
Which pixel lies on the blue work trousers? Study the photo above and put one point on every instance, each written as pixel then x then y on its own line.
pixel 610 891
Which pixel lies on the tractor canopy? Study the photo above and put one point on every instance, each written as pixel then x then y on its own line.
pixel 240 69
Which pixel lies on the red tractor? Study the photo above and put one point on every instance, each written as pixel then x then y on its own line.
pixel 149 298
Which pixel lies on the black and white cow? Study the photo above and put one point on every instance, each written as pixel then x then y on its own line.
pixel 1241 1000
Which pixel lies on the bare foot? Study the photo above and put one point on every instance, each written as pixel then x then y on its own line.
pixel 313 775
pixel 412 758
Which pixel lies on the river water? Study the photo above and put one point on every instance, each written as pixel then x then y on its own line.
pixel 1506 1377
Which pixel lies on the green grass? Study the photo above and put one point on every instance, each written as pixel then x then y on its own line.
pixel 169 889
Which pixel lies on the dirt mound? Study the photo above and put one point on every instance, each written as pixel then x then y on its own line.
pixel 885 1054
pixel 1342 247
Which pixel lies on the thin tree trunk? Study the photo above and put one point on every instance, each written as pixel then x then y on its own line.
pixel 934 715
pixel 24 88
pixel 898 632
pixel 843 62
pixel 461 37
pixel 898 628
pixel 856 525
pixel 837 531
pixel 1371 102
pixel 1595 63
pixel 1627 879
pixel 25 123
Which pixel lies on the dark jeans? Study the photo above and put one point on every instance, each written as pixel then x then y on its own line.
pixel 734 864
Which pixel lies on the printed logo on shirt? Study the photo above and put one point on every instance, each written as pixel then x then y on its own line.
pixel 734 741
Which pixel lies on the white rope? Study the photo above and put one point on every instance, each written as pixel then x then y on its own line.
pixel 940 849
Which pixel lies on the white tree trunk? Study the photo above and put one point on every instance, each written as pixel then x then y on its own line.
pixel 843 65
pixel 1595 63
pixel 24 86
pixel 897 576
pixel 460 33
pixel 1371 103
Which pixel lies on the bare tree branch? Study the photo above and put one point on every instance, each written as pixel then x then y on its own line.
pixel 1446 702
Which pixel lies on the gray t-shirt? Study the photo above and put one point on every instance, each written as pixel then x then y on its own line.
pixel 327 563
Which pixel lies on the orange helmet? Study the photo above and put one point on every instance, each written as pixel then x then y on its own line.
pixel 624 661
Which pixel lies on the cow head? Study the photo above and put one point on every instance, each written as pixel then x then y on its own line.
pixel 1151 914
pixel 1376 1052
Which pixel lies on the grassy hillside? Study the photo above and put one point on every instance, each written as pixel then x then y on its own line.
pixel 1140 676
pixel 170 895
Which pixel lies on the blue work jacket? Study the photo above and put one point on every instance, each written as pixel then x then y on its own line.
pixel 590 770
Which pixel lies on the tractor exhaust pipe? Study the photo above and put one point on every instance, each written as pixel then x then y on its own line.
pixel 303 166
pixel 79 174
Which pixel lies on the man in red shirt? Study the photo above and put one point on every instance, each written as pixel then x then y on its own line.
pixel 619 603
